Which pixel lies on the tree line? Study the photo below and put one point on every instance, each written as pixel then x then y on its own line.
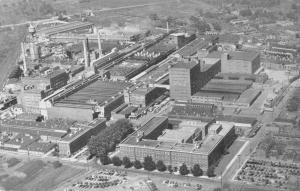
pixel 150 165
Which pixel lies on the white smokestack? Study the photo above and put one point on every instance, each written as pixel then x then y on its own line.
pixel 167 27
pixel 86 53
pixel 24 58
pixel 99 45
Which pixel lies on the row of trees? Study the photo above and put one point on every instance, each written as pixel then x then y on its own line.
pixel 108 138
pixel 150 165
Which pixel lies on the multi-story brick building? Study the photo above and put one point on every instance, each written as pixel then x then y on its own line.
pixel 188 77
pixel 209 141
pixel 184 77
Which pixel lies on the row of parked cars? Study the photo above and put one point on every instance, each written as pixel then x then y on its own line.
pixel 99 180
pixel 175 184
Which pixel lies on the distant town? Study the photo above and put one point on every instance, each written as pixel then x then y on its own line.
pixel 150 95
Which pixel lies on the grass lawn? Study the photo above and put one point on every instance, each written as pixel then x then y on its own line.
pixel 40 176
pixel 32 167
pixel 50 178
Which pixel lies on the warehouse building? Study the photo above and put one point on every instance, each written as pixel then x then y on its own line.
pixel 87 100
pixel 194 142
pixel 240 62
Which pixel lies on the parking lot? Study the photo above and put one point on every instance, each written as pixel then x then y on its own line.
pixel 273 175
pixel 118 180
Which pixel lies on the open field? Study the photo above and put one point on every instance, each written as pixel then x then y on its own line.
pixel 35 175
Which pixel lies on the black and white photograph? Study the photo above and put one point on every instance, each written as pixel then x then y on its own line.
pixel 149 95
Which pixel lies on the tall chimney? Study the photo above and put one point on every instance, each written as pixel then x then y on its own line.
pixel 99 45
pixel 86 52
pixel 24 58
pixel 167 27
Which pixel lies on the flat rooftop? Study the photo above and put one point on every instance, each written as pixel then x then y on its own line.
pixel 222 96
pixel 80 128
pixel 243 55
pixel 128 110
pixel 230 86
pixel 152 124
pixel 249 95
pixel 38 147
pixel 186 65
pixel 98 91
pixel 51 124
pixel 192 48
pixel 64 28
pixel 236 119
pixel 209 143
pixel 182 133
pixel 22 140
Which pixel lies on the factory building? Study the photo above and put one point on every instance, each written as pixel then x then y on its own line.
pixel 181 39
pixel 187 78
pixel 240 62
pixel 184 78
pixel 142 96
pixel 86 100
pixel 79 136
pixel 197 48
pixel 34 89
pixel 193 142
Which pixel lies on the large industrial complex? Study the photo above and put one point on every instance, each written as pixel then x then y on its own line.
pixel 210 97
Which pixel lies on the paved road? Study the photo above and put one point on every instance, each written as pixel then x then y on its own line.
pixel 268 117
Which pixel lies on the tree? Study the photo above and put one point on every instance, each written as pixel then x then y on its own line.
pixel 137 164
pixel 154 17
pixel 170 169
pixel 108 138
pixel 105 160
pixel 126 162
pixel 292 16
pixel 183 170
pixel 294 6
pixel 196 170
pixel 116 161
pixel 149 164
pixel 46 8
pixel 175 169
pixel 245 12
pixel 160 166
pixel 210 171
